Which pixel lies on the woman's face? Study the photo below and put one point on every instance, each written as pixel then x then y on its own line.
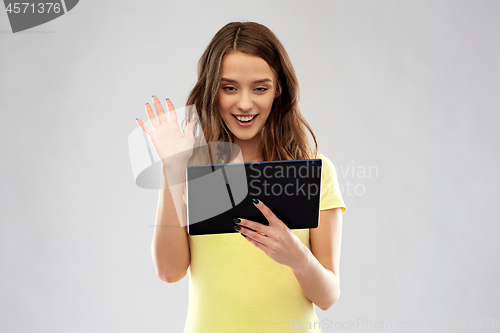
pixel 247 91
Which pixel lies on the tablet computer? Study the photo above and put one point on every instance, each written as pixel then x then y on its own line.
pixel 217 193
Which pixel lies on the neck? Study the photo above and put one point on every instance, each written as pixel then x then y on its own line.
pixel 250 149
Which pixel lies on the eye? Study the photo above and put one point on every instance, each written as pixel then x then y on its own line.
pixel 229 88
pixel 261 89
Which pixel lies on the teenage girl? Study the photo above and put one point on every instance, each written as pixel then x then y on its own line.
pixel 260 278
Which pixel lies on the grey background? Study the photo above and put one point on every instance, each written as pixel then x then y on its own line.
pixel 410 87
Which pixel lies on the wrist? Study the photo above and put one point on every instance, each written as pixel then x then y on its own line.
pixel 174 164
pixel 303 260
pixel 175 174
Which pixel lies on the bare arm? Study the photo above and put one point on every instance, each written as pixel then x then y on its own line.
pixel 318 275
pixel 170 245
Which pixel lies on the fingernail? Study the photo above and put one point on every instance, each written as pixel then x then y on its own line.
pixel 147 103
pixel 236 227
pixel 167 99
pixel 136 118
pixel 255 200
pixel 243 234
pixel 153 96
pixel 236 220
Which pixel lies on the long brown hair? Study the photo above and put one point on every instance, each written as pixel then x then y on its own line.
pixel 283 135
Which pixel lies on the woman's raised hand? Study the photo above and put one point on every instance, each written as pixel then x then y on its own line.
pixel 170 144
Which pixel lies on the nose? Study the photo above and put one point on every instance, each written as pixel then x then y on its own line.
pixel 245 102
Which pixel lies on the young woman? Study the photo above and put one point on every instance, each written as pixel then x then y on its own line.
pixel 262 278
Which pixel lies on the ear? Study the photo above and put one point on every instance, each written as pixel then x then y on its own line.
pixel 278 92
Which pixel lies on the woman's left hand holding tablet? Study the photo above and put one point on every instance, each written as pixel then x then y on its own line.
pixel 276 240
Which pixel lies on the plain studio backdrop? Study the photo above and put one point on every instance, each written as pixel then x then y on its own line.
pixel 404 99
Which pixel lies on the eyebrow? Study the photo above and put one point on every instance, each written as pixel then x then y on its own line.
pixel 257 81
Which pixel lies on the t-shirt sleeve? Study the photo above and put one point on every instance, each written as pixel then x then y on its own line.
pixel 330 190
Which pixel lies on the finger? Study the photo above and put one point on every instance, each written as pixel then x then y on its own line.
pixel 265 244
pixel 268 214
pixel 159 110
pixel 262 229
pixel 256 226
pixel 143 127
pixel 151 116
pixel 258 245
pixel 171 111
pixel 256 236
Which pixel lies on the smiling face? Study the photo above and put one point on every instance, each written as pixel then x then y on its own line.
pixel 246 95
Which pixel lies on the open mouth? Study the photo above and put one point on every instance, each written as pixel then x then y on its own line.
pixel 245 119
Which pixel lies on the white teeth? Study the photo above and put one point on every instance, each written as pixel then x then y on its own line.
pixel 244 118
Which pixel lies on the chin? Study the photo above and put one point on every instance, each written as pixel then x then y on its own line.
pixel 244 136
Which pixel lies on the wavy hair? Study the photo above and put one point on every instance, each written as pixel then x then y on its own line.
pixel 283 135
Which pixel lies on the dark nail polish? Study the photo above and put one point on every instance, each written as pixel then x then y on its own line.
pixel 153 96
pixel 255 200
pixel 236 220
pixel 167 99
pixel 243 235
pixel 236 227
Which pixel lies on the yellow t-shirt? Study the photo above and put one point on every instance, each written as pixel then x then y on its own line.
pixel 235 287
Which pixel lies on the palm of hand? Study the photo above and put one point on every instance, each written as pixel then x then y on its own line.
pixel 170 144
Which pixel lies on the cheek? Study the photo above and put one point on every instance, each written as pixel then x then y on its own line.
pixel 223 103
pixel 267 104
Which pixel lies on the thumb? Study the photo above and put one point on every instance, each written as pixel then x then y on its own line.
pixel 190 129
